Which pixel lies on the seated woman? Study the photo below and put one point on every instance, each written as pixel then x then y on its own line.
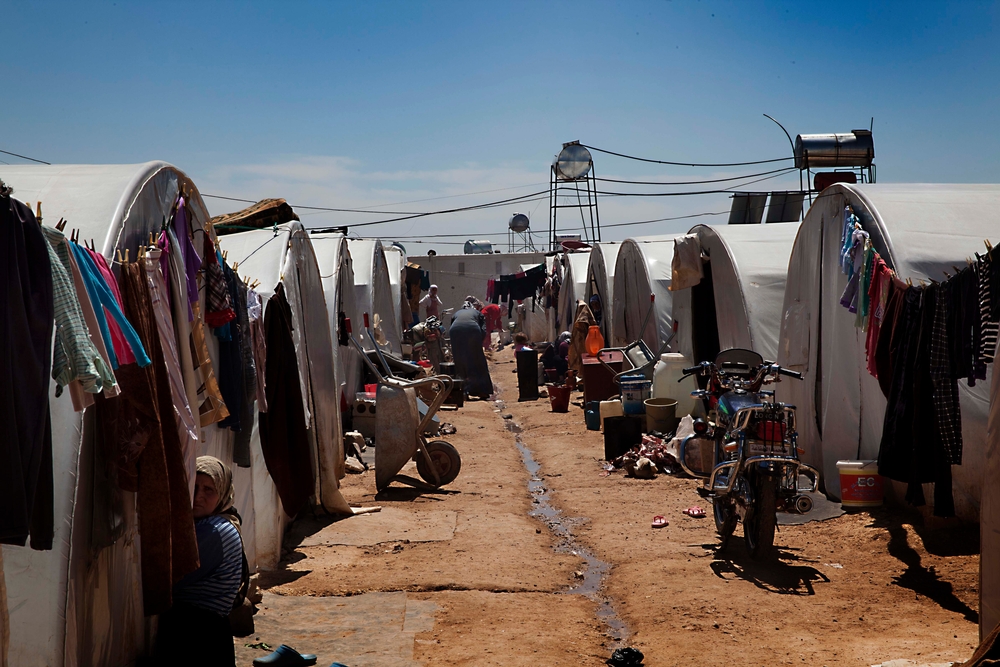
pixel 203 599
pixel 551 360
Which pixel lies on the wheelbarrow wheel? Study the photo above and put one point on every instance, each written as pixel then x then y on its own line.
pixel 446 460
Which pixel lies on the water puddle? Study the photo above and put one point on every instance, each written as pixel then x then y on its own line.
pixel 596 569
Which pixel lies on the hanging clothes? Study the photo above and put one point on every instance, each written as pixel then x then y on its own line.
pixel 185 247
pixel 947 412
pixel 878 295
pixel 257 337
pixel 231 361
pixel 26 328
pixel 284 438
pixel 75 358
pixel 219 308
pixel 241 443
pixel 122 349
pixel 989 326
pixel 100 295
pixel 166 524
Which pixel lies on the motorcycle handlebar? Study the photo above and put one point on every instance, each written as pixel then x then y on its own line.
pixel 692 369
pixel 791 374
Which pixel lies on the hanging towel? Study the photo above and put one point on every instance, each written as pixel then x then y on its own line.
pixel 686 269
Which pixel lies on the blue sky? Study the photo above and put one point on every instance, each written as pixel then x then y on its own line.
pixel 359 104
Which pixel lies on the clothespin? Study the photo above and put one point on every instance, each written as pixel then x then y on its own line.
pixel 126 255
pixel 946 274
pixel 909 281
pixel 225 255
pixel 956 269
pixel 235 265
pixel 256 284
pixel 121 260
pixel 38 213
pixel 61 225
pixel 989 246
pixel 91 246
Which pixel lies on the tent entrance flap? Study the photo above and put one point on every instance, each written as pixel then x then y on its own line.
pixel 705 322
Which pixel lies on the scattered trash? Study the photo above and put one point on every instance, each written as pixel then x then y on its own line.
pixel 263 646
pixel 578 574
pixel 653 450
pixel 835 565
pixel 285 656
pixel 605 473
pixel 659 522
pixel 507 416
pixel 694 512
pixel 641 469
pixel 448 429
pixel 626 657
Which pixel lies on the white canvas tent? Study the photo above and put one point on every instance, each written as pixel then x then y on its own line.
pixel 922 231
pixel 574 287
pixel 600 281
pixel 65 606
pixel 738 302
pixel 337 270
pixel 373 290
pixel 395 262
pixel 989 560
pixel 643 269
pixel 539 322
pixel 286 255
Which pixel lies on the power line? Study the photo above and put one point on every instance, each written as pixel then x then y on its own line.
pixel 24 157
pixel 713 180
pixel 686 164
pixel 406 215
pixel 678 217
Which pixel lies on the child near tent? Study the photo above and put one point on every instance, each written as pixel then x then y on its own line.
pixel 196 630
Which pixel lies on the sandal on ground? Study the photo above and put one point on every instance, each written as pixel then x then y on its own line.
pixel 285 656
pixel 695 512
pixel 659 521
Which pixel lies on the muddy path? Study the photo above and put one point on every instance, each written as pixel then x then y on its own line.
pixel 854 590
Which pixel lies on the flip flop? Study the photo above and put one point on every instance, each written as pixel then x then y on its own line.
pixel 659 521
pixel 285 656
pixel 695 512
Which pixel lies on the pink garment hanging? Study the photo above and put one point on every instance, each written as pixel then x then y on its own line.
pixel 122 349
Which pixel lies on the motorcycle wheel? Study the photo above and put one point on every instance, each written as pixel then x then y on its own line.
pixel 725 520
pixel 446 460
pixel 761 518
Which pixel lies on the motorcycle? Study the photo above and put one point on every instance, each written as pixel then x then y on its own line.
pixel 755 456
pixel 429 340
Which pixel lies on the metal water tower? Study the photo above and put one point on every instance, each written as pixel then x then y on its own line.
pixel 573 185
pixel 519 234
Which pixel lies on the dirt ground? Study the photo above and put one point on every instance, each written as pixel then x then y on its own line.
pixel 858 589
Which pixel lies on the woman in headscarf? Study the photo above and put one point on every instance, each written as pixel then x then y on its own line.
pixel 467 331
pixel 195 630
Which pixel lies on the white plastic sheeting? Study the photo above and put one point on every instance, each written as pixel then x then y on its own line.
pixel 288 257
pixel 643 269
pixel 921 231
pixel 600 281
pixel 373 291
pixel 395 263
pixel 66 607
pixel 574 287
pixel 337 270
pixel 748 264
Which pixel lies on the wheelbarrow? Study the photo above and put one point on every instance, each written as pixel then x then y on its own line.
pixel 637 354
pixel 400 427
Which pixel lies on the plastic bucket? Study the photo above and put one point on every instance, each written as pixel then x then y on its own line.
pixel 860 484
pixel 635 390
pixel 592 415
pixel 558 397
pixel 612 408
pixel 661 415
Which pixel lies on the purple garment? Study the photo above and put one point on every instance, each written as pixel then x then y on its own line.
pixel 164 244
pixel 192 262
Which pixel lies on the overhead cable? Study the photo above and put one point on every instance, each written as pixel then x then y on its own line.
pixel 712 180
pixel 687 164
pixel 24 157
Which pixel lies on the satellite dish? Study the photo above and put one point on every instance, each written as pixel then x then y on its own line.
pixel 573 162
pixel 518 223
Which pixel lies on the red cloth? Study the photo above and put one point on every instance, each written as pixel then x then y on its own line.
pixel 881 282
pixel 122 349
pixel 493 321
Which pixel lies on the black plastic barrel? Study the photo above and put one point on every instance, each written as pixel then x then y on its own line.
pixel 527 375
pixel 621 434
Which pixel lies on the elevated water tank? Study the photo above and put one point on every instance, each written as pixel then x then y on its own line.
pixel 820 151
pixel 478 247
